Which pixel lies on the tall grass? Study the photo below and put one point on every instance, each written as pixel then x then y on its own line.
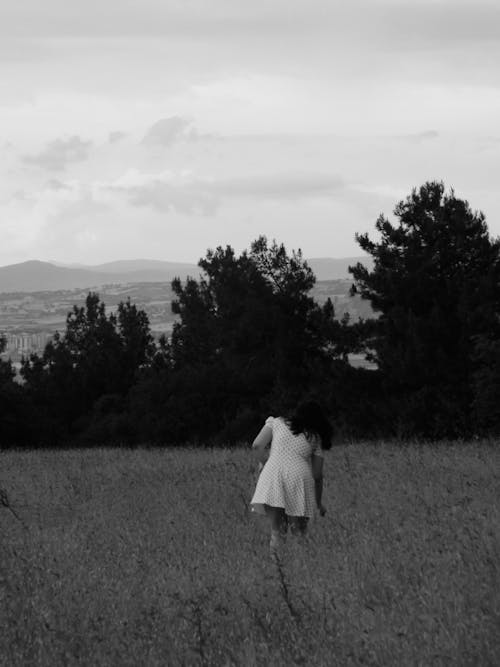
pixel 152 557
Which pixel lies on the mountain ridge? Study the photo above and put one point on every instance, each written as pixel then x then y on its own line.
pixel 37 275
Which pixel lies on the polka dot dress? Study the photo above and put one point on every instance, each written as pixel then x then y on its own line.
pixel 286 479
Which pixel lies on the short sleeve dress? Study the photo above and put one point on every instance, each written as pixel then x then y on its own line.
pixel 286 479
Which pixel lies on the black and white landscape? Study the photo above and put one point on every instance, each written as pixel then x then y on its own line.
pixel 171 365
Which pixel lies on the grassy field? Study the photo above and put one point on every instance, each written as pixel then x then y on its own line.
pixel 150 557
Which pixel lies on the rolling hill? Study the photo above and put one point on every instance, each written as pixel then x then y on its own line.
pixel 36 276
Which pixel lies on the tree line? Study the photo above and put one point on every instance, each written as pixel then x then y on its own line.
pixel 249 341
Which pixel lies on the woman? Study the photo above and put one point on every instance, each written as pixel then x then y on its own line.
pixel 291 481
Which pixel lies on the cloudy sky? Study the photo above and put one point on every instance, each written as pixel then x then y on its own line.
pixel 160 128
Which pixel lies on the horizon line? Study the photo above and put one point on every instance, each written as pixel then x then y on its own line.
pixel 81 265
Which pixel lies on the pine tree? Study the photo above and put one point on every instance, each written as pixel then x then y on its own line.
pixel 94 363
pixel 249 337
pixel 436 286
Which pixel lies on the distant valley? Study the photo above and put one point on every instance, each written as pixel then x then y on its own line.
pixel 36 297
pixel 37 276
pixel 45 276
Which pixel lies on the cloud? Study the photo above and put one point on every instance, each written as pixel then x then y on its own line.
pixel 60 153
pixel 167 131
pixel 17 50
pixel 278 186
pixel 184 194
pixel 55 184
pixel 21 195
pixel 147 17
pixel 116 136
pixel 419 137
pixel 166 192
pixel 436 21
pixel 73 222
pixel 56 215
pixel 184 199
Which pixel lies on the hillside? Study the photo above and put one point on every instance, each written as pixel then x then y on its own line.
pixel 333 268
pixel 36 276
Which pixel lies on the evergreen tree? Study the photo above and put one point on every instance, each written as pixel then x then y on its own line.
pixel 249 338
pixel 486 384
pixel 436 286
pixel 7 372
pixel 94 363
pixel 16 414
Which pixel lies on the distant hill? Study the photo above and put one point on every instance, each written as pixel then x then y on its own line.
pixel 144 265
pixel 332 268
pixel 36 276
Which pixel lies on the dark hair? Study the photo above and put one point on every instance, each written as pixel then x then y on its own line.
pixel 310 419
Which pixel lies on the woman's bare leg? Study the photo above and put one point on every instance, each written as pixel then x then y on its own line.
pixel 279 525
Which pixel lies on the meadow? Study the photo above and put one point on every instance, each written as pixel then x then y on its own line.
pixel 152 557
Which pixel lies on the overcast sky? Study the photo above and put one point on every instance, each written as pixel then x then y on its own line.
pixel 160 128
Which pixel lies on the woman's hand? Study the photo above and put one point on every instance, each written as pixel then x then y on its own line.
pixel 321 509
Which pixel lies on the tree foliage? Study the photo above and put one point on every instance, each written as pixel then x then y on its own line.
pixel 435 284
pixel 249 336
pixel 16 412
pixel 249 340
pixel 6 370
pixel 99 355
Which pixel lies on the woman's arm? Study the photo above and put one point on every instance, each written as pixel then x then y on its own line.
pixel 260 445
pixel 317 471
